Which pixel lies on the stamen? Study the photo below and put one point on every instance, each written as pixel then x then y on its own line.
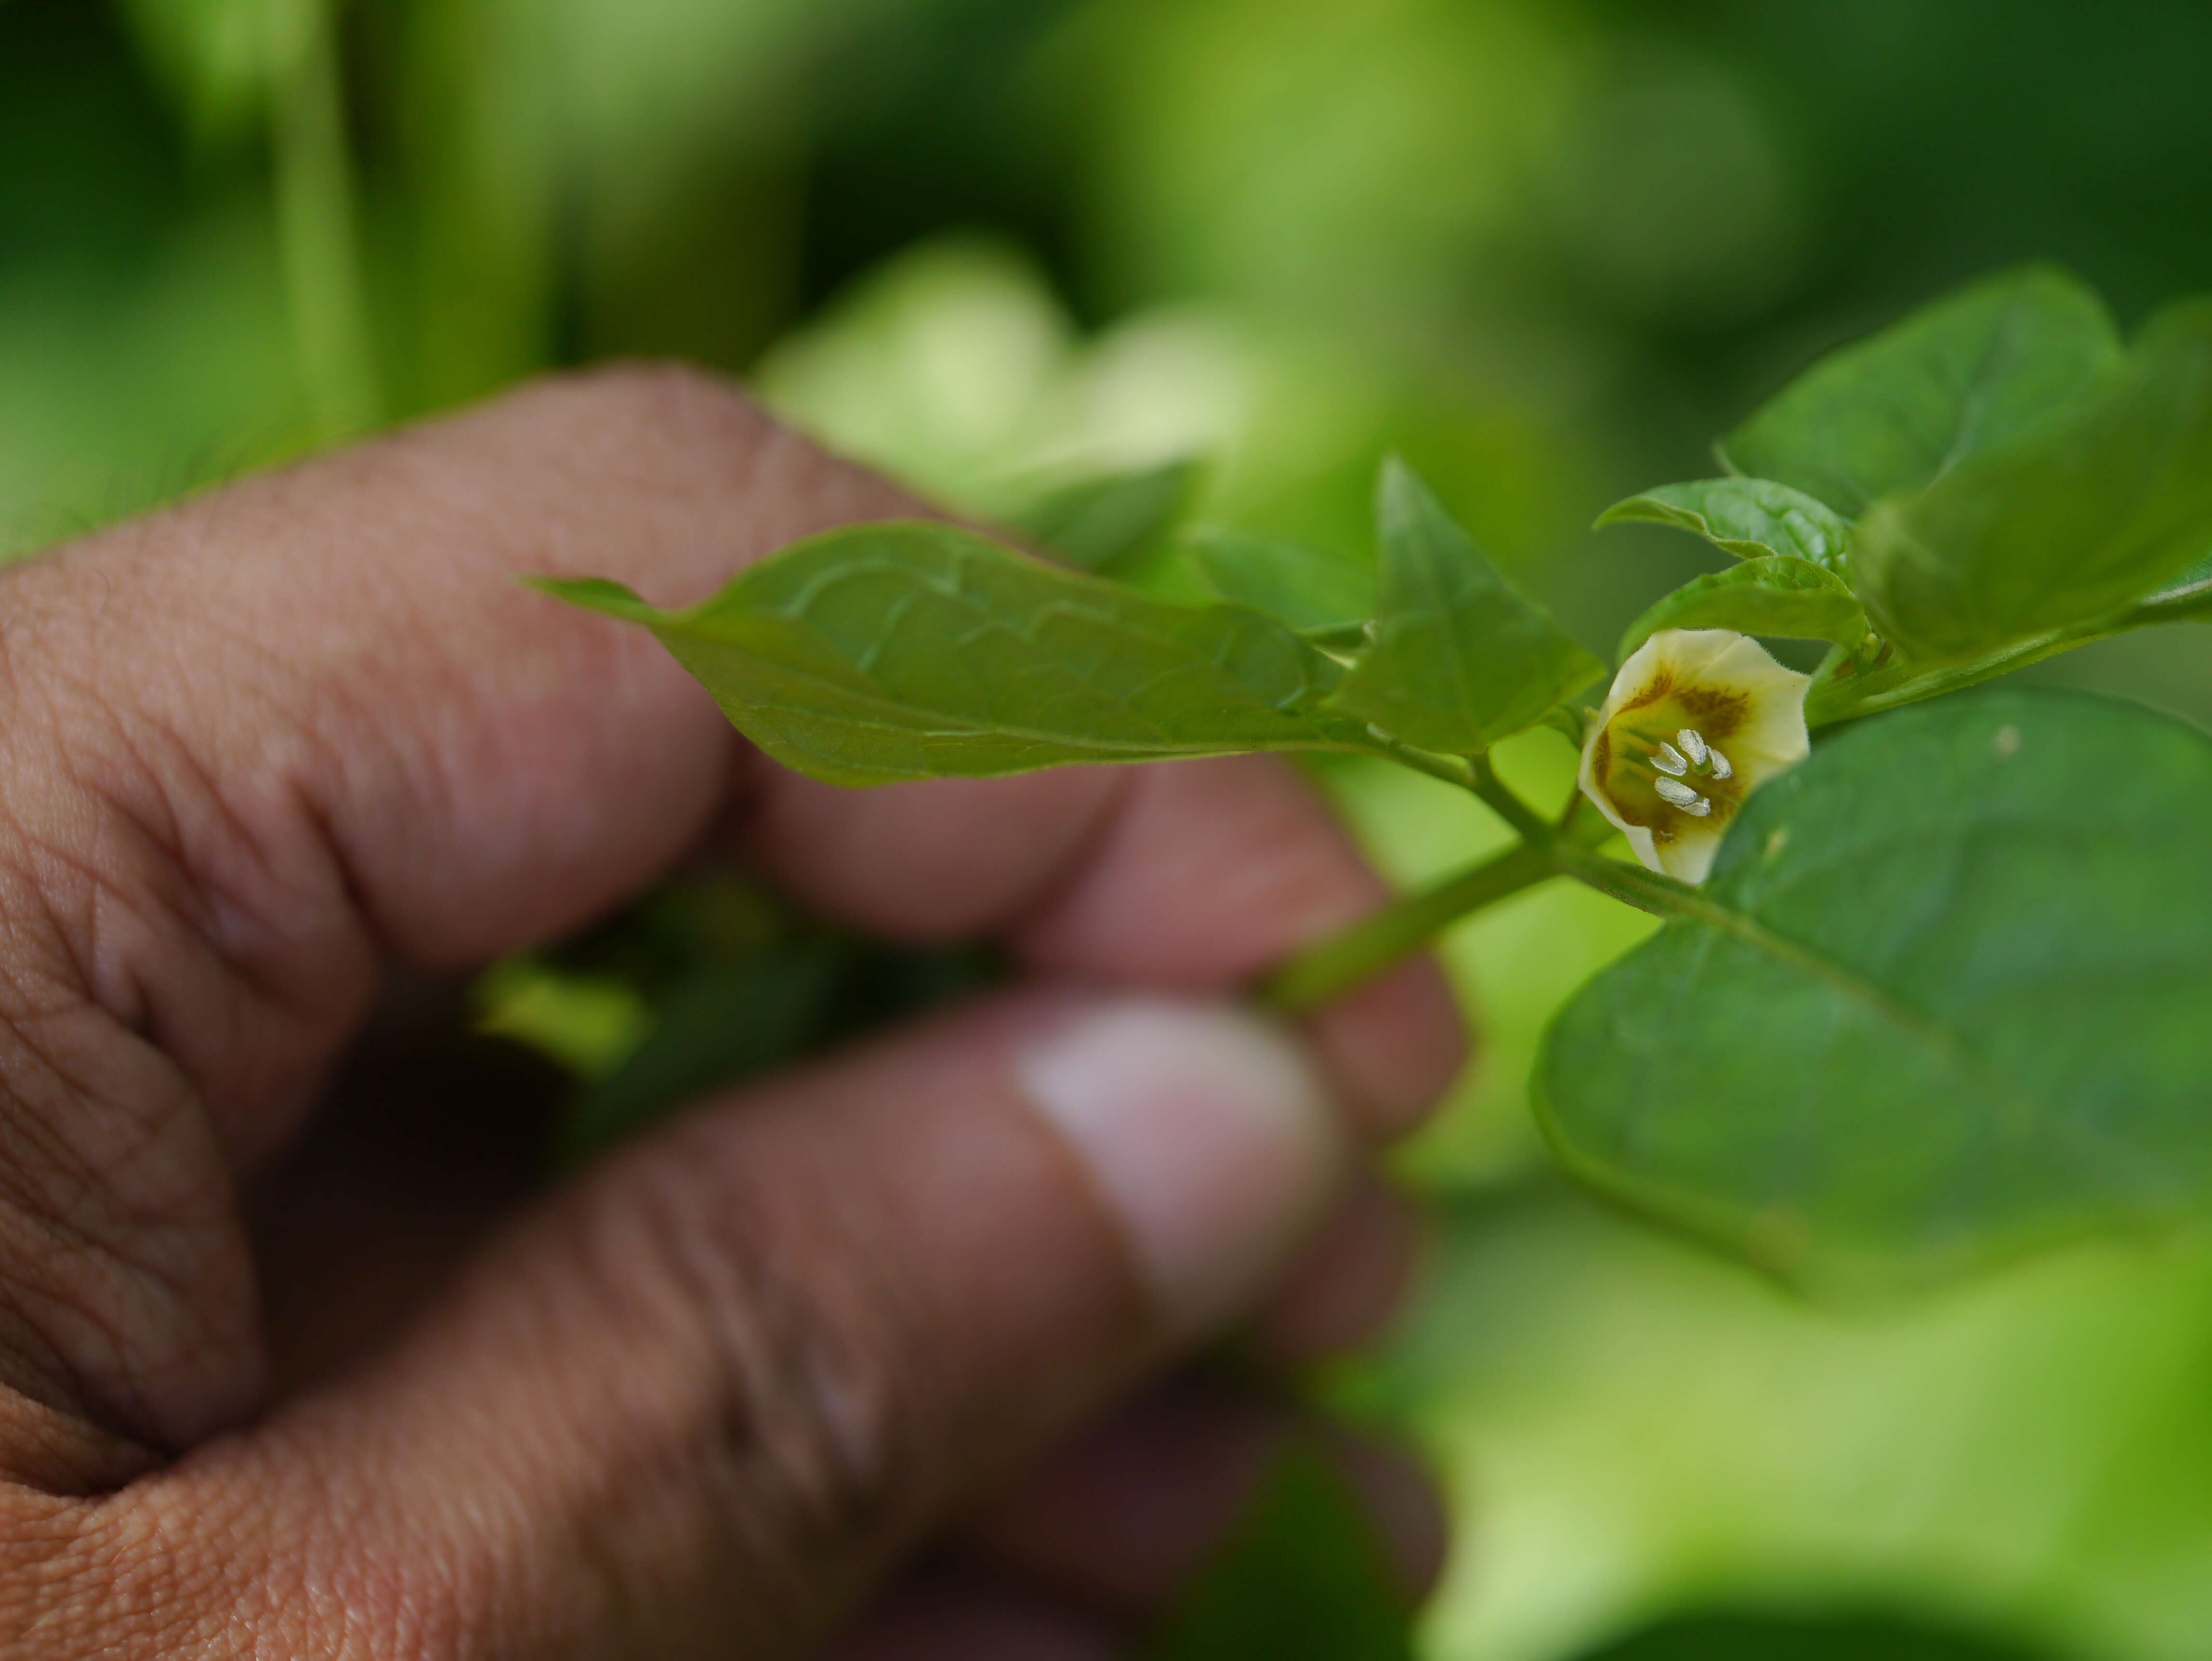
pixel 1667 759
pixel 1720 764
pixel 1693 744
pixel 1682 796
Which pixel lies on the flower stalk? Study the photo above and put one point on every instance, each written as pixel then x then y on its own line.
pixel 1350 958
pixel 1648 773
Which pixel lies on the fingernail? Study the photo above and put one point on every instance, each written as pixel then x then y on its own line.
pixel 1206 1131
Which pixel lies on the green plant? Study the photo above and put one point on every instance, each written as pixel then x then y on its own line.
pixel 1940 997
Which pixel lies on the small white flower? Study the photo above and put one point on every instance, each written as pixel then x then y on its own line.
pixel 1696 720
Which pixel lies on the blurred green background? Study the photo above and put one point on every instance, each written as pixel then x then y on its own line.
pixel 1545 248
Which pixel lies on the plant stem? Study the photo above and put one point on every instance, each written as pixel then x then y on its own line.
pixel 1450 768
pixel 1351 957
pixel 1834 700
pixel 1356 955
pixel 318 233
pixel 1502 801
pixel 1632 885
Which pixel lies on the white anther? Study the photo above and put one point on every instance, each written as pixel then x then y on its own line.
pixel 1719 764
pixel 1667 759
pixel 1693 743
pixel 1682 796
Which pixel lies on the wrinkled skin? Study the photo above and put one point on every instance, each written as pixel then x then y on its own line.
pixel 304 748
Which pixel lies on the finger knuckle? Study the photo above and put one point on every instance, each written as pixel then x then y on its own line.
pixel 799 1435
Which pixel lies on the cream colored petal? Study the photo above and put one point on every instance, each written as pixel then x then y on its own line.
pixel 1773 735
pixel 1641 844
pixel 1748 665
pixel 1643 664
pixel 1697 653
pixel 1639 838
pixel 1775 741
pixel 1586 777
pixel 1690 855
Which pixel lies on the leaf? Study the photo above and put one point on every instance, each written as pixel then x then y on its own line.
pixel 1770 1637
pixel 723 1023
pixel 2188 597
pixel 2198 575
pixel 1777 595
pixel 1942 999
pixel 587 1022
pixel 1315 592
pixel 911 650
pixel 1461 658
pixel 1102 523
pixel 1301 1579
pixel 1749 518
pixel 1896 411
pixel 2082 518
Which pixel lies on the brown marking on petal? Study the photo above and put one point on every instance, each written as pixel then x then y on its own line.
pixel 1652 690
pixel 1715 711
pixel 1602 756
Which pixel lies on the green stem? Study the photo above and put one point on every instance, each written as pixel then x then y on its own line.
pixel 1831 701
pixel 1357 954
pixel 1632 885
pixel 1834 700
pixel 317 231
pixel 1450 768
pixel 1509 806
pixel 1353 957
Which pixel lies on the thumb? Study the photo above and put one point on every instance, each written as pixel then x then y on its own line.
pixel 705 1398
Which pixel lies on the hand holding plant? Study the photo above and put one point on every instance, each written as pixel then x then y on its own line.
pixel 312 1388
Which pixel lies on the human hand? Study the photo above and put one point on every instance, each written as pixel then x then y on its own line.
pixel 711 1397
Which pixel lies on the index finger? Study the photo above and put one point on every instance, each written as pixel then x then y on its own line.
pixel 335 723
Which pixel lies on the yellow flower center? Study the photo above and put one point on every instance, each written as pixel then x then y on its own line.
pixel 1662 763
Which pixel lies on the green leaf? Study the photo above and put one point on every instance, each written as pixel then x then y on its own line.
pixel 1104 523
pixel 1770 1637
pixel 722 1022
pixel 1317 592
pixel 1900 410
pixel 1777 595
pixel 1942 999
pixel 2188 597
pixel 587 1023
pixel 910 650
pixel 2197 576
pixel 2085 516
pixel 1749 517
pixel 1302 1580
pixel 1461 658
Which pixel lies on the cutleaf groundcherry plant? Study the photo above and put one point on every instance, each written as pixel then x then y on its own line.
pixel 1934 958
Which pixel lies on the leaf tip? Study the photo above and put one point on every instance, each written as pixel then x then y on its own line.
pixel 1397 488
pixel 1623 512
pixel 595 594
